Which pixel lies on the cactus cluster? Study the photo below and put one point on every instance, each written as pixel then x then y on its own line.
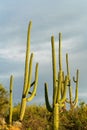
pixel 27 95
pixel 60 85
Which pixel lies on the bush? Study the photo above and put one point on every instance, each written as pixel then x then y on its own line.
pixel 75 119
pixel 38 118
pixel 4 102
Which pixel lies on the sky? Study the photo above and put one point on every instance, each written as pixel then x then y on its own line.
pixel 48 18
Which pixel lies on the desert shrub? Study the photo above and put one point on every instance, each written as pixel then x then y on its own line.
pixel 4 102
pixel 16 111
pixel 74 119
pixel 37 118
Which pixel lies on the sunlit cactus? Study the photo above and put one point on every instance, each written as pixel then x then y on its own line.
pixel 73 103
pixel 11 100
pixel 59 83
pixel 27 95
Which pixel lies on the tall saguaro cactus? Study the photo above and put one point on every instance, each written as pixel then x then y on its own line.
pixel 10 100
pixel 59 82
pixel 72 102
pixel 28 77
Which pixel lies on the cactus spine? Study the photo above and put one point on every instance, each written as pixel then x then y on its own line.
pixel 28 77
pixel 72 102
pixel 10 100
pixel 58 83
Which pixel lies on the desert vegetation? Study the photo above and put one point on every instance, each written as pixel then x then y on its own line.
pixel 50 116
pixel 37 117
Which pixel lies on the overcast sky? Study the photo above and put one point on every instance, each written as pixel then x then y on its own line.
pixel 48 18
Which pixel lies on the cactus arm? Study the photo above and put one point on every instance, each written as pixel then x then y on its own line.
pixel 68 73
pixel 54 70
pixel 35 85
pixel 76 91
pixel 62 87
pixel 59 86
pixel 60 52
pixel 60 68
pixel 75 101
pixel 28 36
pixel 27 59
pixel 50 109
pixel 30 73
pixel 69 82
pixel 70 95
pixel 10 100
pixel 67 65
pixel 62 90
pixel 77 76
pixel 65 90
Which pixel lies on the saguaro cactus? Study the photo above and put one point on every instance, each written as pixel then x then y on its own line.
pixel 72 102
pixel 10 100
pixel 59 83
pixel 28 77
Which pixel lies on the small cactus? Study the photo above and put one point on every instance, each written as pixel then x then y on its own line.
pixel 10 100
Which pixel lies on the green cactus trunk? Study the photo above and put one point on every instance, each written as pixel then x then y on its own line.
pixel 23 107
pixel 10 100
pixel 56 117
